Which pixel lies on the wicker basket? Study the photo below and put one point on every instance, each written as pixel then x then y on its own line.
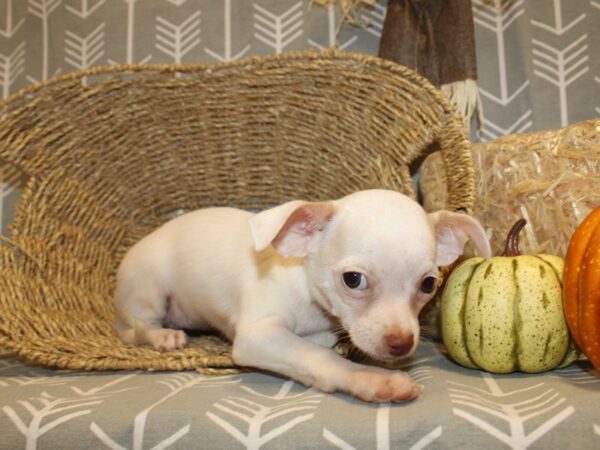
pixel 111 153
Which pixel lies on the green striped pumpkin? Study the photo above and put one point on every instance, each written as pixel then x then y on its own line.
pixel 505 314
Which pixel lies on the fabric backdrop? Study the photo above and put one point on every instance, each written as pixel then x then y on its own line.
pixel 538 60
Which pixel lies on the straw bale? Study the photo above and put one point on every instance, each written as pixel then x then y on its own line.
pixel 551 178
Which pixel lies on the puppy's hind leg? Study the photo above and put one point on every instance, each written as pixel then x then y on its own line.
pixel 141 314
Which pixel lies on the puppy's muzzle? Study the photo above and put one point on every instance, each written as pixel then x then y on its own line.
pixel 399 344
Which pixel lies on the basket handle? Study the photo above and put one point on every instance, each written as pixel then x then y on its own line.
pixel 455 150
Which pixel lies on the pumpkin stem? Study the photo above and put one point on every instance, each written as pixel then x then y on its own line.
pixel 511 247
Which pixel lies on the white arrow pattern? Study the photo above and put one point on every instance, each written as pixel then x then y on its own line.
pixel 40 414
pixel 382 434
pixel 130 36
pixel 561 67
pixel 497 17
pixel 11 68
pixel 278 31
pixel 374 19
pixel 83 52
pixel 490 130
pixel 249 415
pixel 227 42
pixel 42 9
pixel 42 410
pixel 86 8
pixel 10 28
pixel 557 27
pixel 33 379
pixel 577 376
pixel 420 373
pixel 332 33
pixel 178 40
pixel 176 385
pixel 514 408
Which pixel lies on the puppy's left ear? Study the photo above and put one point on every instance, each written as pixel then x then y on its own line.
pixel 290 227
pixel 452 231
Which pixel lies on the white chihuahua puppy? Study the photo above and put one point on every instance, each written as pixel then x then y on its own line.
pixel 279 283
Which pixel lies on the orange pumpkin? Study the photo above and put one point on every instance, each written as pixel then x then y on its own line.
pixel 581 287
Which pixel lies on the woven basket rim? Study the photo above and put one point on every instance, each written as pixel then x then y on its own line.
pixel 326 54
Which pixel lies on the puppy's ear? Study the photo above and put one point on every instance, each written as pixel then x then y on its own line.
pixel 290 227
pixel 452 231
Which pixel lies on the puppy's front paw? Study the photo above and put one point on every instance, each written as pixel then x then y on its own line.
pixel 164 339
pixel 383 386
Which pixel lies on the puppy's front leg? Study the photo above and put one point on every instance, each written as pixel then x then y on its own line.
pixel 269 344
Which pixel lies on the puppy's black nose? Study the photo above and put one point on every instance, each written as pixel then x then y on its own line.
pixel 399 344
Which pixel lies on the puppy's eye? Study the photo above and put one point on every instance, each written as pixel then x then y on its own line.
pixel 355 280
pixel 428 285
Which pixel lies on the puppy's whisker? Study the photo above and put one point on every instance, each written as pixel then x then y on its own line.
pixel 338 329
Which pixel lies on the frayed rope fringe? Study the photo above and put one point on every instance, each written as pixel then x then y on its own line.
pixel 465 96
